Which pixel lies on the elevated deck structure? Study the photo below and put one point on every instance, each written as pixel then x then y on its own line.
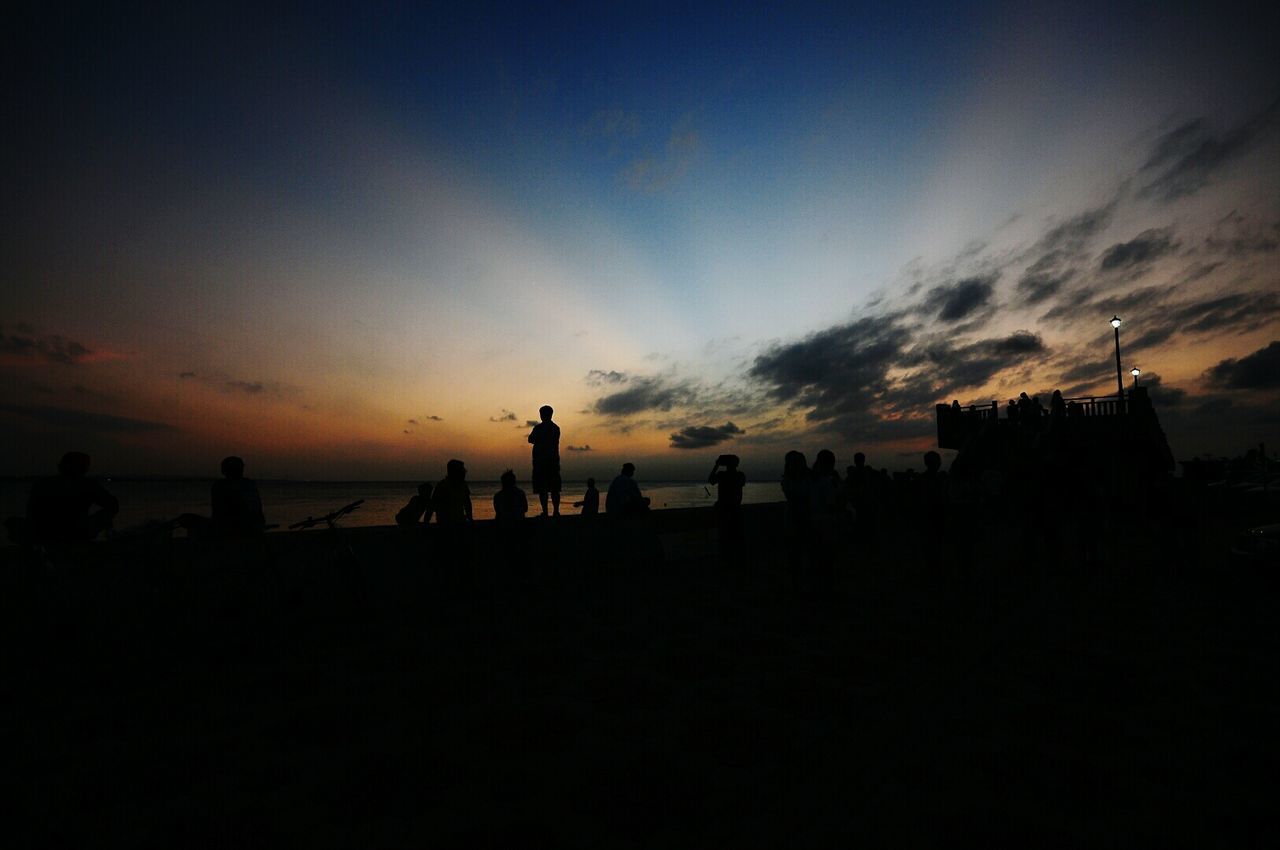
pixel 1108 441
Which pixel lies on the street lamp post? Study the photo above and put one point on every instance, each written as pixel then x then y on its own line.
pixel 1135 371
pixel 1115 323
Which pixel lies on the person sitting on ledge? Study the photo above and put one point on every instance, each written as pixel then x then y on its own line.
pixel 237 507
pixel 510 503
pixel 412 514
pixel 624 497
pixel 590 503
pixel 58 508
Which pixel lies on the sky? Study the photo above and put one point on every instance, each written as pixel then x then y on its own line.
pixel 352 243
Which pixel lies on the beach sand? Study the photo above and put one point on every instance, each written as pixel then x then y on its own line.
pixel 618 698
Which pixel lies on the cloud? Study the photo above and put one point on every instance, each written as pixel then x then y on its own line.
pixel 1146 247
pixel 250 387
pixel 412 421
pixel 957 301
pixel 585 448
pixel 184 376
pixel 703 436
pixel 656 172
pixel 62 418
pixel 505 416
pixel 1162 396
pixel 50 347
pixel 1234 236
pixel 1189 157
pixel 1257 371
pixel 646 393
pixel 599 377
pixel 434 418
pixel 529 423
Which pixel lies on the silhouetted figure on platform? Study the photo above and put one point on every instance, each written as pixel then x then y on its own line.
pixel 451 502
pixel 418 510
pixel 624 498
pixel 1057 405
pixel 545 438
pixel 237 507
pixel 796 485
pixel 58 510
pixel 824 501
pixel 861 493
pixel 590 503
pixel 510 503
pixel 729 482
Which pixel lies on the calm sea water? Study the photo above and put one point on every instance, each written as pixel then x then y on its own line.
pixel 287 502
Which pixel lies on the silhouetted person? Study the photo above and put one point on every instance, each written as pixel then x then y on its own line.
pixel 451 502
pixel 860 486
pixel 729 483
pixel 545 438
pixel 590 503
pixel 418 510
pixel 824 502
pixel 1057 406
pixel 796 484
pixel 237 507
pixel 1013 410
pixel 623 498
pixel 58 510
pixel 509 503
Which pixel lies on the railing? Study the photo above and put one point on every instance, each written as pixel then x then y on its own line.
pixel 956 423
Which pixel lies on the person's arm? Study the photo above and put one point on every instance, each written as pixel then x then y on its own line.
pixel 110 504
pixel 533 435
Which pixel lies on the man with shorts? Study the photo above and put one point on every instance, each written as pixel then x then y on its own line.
pixel 545 438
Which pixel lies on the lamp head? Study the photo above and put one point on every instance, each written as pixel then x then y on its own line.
pixel 1135 371
pixel 1115 321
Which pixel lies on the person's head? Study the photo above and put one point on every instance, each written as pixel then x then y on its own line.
pixel 456 470
pixel 424 490
pixel 932 461
pixel 74 465
pixel 825 462
pixel 233 468
pixel 628 469
pixel 1057 395
pixel 794 464
pixel 508 479
pixel 545 412
pixel 1023 397
pixel 729 461
pixel 591 483
pixel 859 459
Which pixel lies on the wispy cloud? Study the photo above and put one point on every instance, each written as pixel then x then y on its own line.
pixel 1190 156
pixel 657 171
pixel 1257 371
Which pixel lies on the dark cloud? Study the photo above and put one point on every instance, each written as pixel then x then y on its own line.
pixel 1234 236
pixel 183 376
pixel 412 421
pixel 434 418
pixel 529 423
pixel 1163 396
pixel 646 393
pixel 50 347
pixel 505 416
pixel 1146 247
pixel 1257 371
pixel 586 448
pixel 1189 157
pixel 1044 278
pixel 62 418
pixel 1059 253
pixel 704 436
pixel 250 387
pixel 1213 406
pixel 599 377
pixel 959 300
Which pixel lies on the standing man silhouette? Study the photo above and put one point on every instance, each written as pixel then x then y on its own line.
pixel 545 438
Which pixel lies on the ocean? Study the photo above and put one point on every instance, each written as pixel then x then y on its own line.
pixel 288 502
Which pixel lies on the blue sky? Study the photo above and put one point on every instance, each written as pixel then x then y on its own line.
pixel 305 235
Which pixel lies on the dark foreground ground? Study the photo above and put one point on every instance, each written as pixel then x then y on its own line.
pixel 611 698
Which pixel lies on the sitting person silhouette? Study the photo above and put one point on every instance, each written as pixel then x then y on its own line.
pixel 624 497
pixel 237 507
pixel 510 503
pixel 452 498
pixel 590 503
pixel 58 508
pixel 418 510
